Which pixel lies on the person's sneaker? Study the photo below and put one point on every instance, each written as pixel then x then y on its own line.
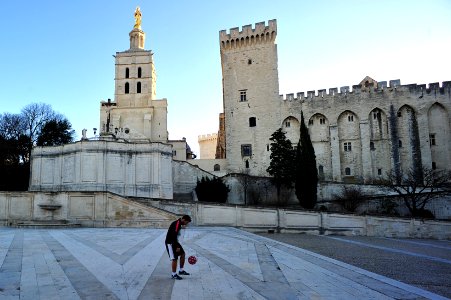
pixel 176 277
pixel 183 272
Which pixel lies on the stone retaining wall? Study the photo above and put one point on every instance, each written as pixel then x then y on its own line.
pixel 108 210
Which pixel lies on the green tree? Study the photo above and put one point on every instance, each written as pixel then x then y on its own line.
pixel 282 165
pixel 306 173
pixel 55 132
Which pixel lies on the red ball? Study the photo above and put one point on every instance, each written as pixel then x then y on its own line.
pixel 192 259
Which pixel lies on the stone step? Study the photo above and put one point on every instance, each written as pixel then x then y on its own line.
pixel 183 197
pixel 47 224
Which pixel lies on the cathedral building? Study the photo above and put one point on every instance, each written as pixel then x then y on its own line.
pixel 358 134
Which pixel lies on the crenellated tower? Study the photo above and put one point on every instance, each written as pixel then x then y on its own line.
pixel 250 87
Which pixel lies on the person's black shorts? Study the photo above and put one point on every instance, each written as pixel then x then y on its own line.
pixel 172 251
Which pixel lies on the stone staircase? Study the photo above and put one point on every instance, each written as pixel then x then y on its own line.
pixel 183 197
pixel 44 224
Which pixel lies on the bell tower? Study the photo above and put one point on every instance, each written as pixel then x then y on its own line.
pixel 135 112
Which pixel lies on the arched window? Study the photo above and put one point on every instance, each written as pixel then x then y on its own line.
pixel 216 167
pixel 252 122
pixel 347 171
pixel 372 146
pixel 247 164
pixel 138 88
pixel 127 73
pixel 139 72
pixel 127 88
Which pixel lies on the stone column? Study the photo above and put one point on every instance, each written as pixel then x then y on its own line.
pixel 335 151
pixel 366 152
pixel 425 148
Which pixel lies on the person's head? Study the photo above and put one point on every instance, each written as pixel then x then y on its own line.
pixel 186 219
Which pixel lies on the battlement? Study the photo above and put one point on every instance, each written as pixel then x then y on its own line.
pixel 207 137
pixel 248 36
pixel 394 85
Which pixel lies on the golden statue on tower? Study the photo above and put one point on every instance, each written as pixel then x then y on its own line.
pixel 137 18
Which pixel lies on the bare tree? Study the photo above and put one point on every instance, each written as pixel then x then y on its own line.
pixel 417 188
pixel 11 126
pixel 34 116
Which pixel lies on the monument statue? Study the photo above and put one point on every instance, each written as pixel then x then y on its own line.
pixel 137 18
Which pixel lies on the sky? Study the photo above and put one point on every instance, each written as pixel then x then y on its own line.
pixel 61 52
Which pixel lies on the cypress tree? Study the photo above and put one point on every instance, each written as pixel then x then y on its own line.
pixel 282 165
pixel 306 173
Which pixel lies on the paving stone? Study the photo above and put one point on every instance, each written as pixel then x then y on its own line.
pixel 92 263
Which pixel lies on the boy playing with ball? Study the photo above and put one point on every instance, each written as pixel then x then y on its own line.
pixel 174 248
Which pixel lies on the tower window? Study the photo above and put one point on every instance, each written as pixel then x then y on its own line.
pixel 287 124
pixel 139 72
pixel 252 122
pixel 127 73
pixel 350 118
pixel 267 147
pixel 247 164
pixel 322 121
pixel 216 167
pixel 138 88
pixel 347 146
pixel 372 146
pixel 379 171
pixel 321 170
pixel 249 61
pixel 432 139
pixel 127 88
pixel 399 143
pixel 434 165
pixel 347 171
pixel 399 114
pixel 243 96
pixel 310 122
pixel 246 150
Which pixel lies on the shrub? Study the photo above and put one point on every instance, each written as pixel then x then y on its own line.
pixel 425 214
pixel 212 190
pixel 350 198
pixel 388 207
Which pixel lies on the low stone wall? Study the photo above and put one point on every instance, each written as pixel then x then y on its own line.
pixel 97 209
pixel 286 220
pixel 108 210
pixel 264 219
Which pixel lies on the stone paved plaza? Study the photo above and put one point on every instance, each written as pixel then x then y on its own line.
pixel 99 263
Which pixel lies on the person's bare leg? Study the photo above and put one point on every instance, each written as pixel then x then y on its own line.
pixel 174 265
pixel 182 261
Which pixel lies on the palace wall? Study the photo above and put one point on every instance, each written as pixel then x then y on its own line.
pixel 358 134
pixel 384 126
